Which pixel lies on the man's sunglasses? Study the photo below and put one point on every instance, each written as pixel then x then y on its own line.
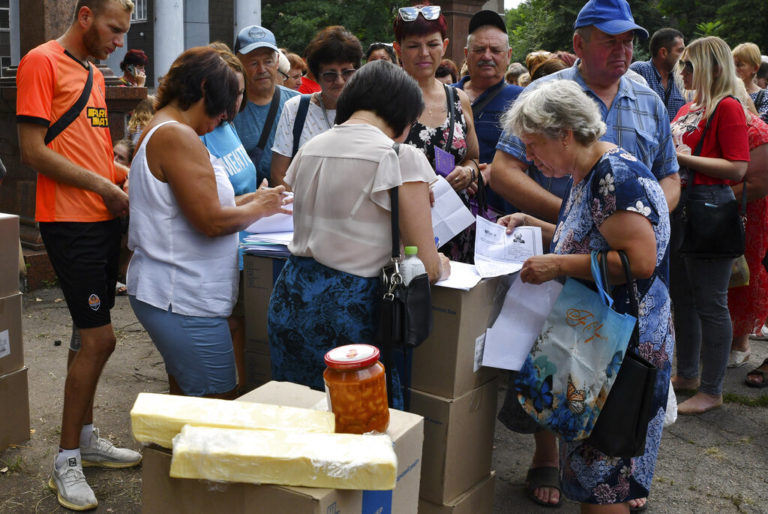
pixel 332 76
pixel 430 12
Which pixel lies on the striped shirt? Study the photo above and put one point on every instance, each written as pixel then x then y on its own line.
pixel 636 121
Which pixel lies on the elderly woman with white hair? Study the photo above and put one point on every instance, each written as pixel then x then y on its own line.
pixel 613 203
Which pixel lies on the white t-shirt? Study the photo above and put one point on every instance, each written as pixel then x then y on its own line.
pixel 315 123
pixel 341 181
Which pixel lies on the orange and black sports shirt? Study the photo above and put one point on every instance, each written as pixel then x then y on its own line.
pixel 49 81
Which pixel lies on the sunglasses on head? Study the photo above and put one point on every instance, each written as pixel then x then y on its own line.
pixel 430 12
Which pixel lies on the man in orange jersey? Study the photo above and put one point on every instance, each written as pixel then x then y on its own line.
pixel 64 135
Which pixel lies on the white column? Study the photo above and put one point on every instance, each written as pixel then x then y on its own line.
pixel 196 27
pixel 247 12
pixel 15 33
pixel 169 35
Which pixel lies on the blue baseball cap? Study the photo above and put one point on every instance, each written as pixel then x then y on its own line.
pixel 611 16
pixel 252 37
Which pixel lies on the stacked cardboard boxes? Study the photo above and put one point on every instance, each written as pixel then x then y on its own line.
pixel 14 392
pixel 161 493
pixel 457 398
pixel 259 274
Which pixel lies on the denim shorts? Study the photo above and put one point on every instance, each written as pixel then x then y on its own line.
pixel 197 350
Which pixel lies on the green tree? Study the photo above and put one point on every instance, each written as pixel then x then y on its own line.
pixel 295 22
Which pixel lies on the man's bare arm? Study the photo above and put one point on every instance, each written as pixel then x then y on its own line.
pixel 508 179
pixel 35 154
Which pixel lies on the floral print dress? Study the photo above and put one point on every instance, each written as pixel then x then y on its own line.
pixel 620 182
pixel 462 247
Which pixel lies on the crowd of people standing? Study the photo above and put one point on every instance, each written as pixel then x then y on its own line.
pixel 590 147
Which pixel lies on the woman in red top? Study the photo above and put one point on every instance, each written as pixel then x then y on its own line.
pixel 699 287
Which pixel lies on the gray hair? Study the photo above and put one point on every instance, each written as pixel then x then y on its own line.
pixel 552 109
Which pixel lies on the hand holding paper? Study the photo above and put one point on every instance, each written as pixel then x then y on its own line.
pixel 498 253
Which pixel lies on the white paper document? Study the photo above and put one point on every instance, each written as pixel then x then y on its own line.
pixel 526 306
pixel 276 223
pixel 449 214
pixel 498 253
pixel 463 276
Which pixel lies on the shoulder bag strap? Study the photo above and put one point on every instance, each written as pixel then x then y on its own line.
pixel 634 341
pixel 270 119
pixel 71 115
pixel 479 106
pixel 450 96
pixel 298 123
pixel 395 214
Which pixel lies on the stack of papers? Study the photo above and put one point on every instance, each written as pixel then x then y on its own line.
pixel 273 244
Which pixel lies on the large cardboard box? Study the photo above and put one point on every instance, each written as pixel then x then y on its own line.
pixel 258 369
pixel 14 408
pixel 406 430
pixel 478 500
pixel 259 274
pixel 161 493
pixel 9 254
pixel 11 342
pixel 445 364
pixel 458 441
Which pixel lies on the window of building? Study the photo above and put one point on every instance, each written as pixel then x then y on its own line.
pixel 139 11
pixel 5 15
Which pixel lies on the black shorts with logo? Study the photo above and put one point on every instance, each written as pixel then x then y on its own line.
pixel 85 257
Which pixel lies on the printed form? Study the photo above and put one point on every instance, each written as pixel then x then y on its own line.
pixel 498 253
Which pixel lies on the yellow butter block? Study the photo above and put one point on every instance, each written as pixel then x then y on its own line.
pixel 157 418
pixel 335 461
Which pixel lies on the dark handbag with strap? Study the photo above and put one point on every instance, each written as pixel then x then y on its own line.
pixel 711 230
pixel 298 122
pixel 405 319
pixel 622 426
pixel 73 112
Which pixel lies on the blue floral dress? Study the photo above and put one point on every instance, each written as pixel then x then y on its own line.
pixel 620 182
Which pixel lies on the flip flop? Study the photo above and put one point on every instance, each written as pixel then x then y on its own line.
pixel 545 476
pixel 758 372
pixel 737 359
pixel 640 509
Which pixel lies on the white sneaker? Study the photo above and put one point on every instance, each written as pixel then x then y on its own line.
pixel 72 490
pixel 103 453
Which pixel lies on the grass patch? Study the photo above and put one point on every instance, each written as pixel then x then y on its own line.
pixel 14 466
pixel 748 401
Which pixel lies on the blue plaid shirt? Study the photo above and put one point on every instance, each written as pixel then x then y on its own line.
pixel 672 97
pixel 637 121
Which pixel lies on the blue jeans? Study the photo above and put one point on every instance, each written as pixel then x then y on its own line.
pixel 699 291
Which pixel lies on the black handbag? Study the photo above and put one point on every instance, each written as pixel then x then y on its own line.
pixel 405 319
pixel 712 231
pixel 622 425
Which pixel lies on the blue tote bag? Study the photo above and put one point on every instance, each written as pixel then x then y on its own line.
pixel 568 374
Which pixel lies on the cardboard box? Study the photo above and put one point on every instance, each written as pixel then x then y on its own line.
pixel 458 441
pixel 161 493
pixel 259 276
pixel 478 500
pixel 405 429
pixel 9 254
pixel 11 341
pixel 258 369
pixel 444 365
pixel 14 406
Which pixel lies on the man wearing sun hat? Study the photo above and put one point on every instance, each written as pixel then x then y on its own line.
pixel 636 120
pixel 256 48
pixel 487 53
pixel 635 116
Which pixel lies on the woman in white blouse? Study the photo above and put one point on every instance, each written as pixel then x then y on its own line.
pixel 327 294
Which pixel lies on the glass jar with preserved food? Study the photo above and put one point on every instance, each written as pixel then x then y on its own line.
pixel 356 387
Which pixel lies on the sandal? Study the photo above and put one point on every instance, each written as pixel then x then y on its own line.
pixel 641 508
pixel 758 372
pixel 545 476
pixel 120 289
pixel 737 358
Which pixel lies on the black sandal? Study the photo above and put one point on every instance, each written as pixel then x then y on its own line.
pixel 757 372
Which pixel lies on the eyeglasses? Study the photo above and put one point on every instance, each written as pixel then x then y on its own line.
pixel 430 12
pixel 332 76
pixel 686 66
pixel 285 76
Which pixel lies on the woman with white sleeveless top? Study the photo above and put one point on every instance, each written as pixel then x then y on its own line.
pixel 182 279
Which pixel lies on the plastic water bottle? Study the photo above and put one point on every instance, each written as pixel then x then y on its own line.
pixel 411 265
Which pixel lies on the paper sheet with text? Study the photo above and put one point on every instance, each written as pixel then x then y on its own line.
pixel 449 214
pixel 498 253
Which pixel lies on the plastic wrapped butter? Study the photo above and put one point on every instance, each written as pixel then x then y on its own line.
pixel 336 461
pixel 157 418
